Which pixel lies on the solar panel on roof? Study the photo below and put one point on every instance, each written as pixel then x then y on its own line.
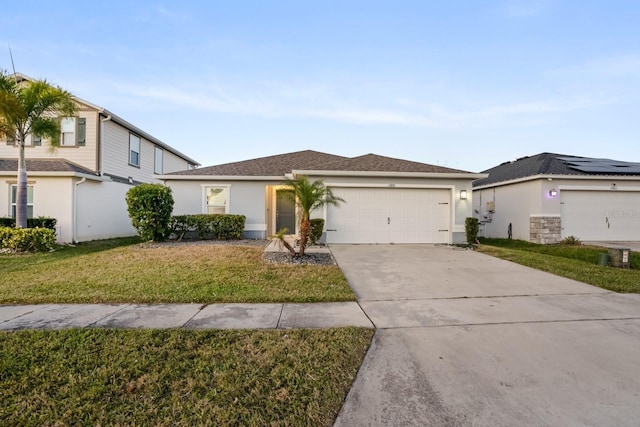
pixel 602 166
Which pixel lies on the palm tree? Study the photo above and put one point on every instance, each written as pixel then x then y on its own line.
pixel 309 196
pixel 30 107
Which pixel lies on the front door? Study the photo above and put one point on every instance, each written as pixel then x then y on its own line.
pixel 285 211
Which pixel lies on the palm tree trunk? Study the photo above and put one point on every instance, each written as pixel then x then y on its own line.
pixel 305 230
pixel 21 190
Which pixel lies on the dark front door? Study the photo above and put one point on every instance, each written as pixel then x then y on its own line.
pixel 285 211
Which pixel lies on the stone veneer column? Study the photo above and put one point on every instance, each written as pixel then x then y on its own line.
pixel 545 229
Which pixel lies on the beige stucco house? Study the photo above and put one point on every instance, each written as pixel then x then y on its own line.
pixel 83 182
pixel 547 197
pixel 387 200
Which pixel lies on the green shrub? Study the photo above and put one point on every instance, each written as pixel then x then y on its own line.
pixel 150 207
pixel 471 228
pixel 209 226
pixel 317 225
pixel 41 221
pixel 36 239
pixel 570 241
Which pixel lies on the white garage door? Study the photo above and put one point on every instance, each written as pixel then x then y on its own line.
pixel 601 215
pixel 389 215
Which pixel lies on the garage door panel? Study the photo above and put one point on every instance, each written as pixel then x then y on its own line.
pixel 389 215
pixel 601 215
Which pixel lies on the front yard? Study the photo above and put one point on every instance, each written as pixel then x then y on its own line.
pixel 125 270
pixel 172 377
pixel 177 377
pixel 574 262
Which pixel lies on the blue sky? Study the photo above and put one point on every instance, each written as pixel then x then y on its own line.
pixel 465 84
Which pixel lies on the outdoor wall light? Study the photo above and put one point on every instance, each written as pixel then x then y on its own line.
pixel 553 193
pixel 463 194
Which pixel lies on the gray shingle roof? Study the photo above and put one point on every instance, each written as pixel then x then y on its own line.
pixel 278 165
pixel 540 164
pixel 45 165
pixel 377 163
pixel 310 160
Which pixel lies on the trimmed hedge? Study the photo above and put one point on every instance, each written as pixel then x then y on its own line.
pixel 209 226
pixel 471 228
pixel 317 225
pixel 41 221
pixel 149 207
pixel 36 239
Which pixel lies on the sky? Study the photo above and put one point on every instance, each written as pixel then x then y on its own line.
pixel 466 84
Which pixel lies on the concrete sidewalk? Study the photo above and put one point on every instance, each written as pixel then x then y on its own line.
pixel 188 316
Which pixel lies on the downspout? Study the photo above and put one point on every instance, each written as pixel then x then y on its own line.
pixel 75 209
pixel 101 143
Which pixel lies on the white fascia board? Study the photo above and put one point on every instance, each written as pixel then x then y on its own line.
pixel 218 178
pixel 58 174
pixel 552 177
pixel 449 175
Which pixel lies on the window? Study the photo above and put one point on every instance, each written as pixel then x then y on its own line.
pixel 68 127
pixel 73 131
pixel 14 198
pixel 134 150
pixel 216 200
pixel 158 163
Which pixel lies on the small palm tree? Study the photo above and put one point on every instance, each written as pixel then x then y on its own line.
pixel 280 237
pixel 30 107
pixel 309 196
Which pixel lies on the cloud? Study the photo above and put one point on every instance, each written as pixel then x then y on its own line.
pixel 318 104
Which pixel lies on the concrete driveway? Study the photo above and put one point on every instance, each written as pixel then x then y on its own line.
pixel 467 339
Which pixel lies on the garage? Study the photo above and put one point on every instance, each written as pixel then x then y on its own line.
pixel 390 215
pixel 600 215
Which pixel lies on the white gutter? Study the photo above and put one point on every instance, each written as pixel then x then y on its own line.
pixel 459 175
pixel 219 178
pixel 552 177
pixel 74 227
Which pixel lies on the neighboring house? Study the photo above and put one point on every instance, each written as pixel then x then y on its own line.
pixel 547 197
pixel 387 200
pixel 83 182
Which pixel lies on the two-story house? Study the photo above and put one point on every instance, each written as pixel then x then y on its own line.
pixel 83 182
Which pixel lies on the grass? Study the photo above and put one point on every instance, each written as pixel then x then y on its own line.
pixel 124 270
pixel 177 377
pixel 574 262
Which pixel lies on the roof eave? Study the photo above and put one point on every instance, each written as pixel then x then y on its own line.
pixel 455 175
pixel 170 177
pixel 552 176
pixel 58 174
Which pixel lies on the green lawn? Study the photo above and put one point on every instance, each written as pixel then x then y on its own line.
pixel 124 270
pixel 177 377
pixel 574 262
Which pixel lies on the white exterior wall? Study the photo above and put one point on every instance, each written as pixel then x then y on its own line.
pixel 517 202
pixel 115 154
pixel 461 208
pixel 173 163
pixel 246 198
pixel 513 204
pixel 102 211
pixel 52 197
pixel 84 156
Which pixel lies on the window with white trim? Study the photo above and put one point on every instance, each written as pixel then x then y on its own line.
pixel 14 198
pixel 68 128
pixel 216 199
pixel 73 131
pixel 134 150
pixel 158 167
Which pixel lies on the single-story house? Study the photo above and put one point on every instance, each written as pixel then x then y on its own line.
pixel 387 200
pixel 547 197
